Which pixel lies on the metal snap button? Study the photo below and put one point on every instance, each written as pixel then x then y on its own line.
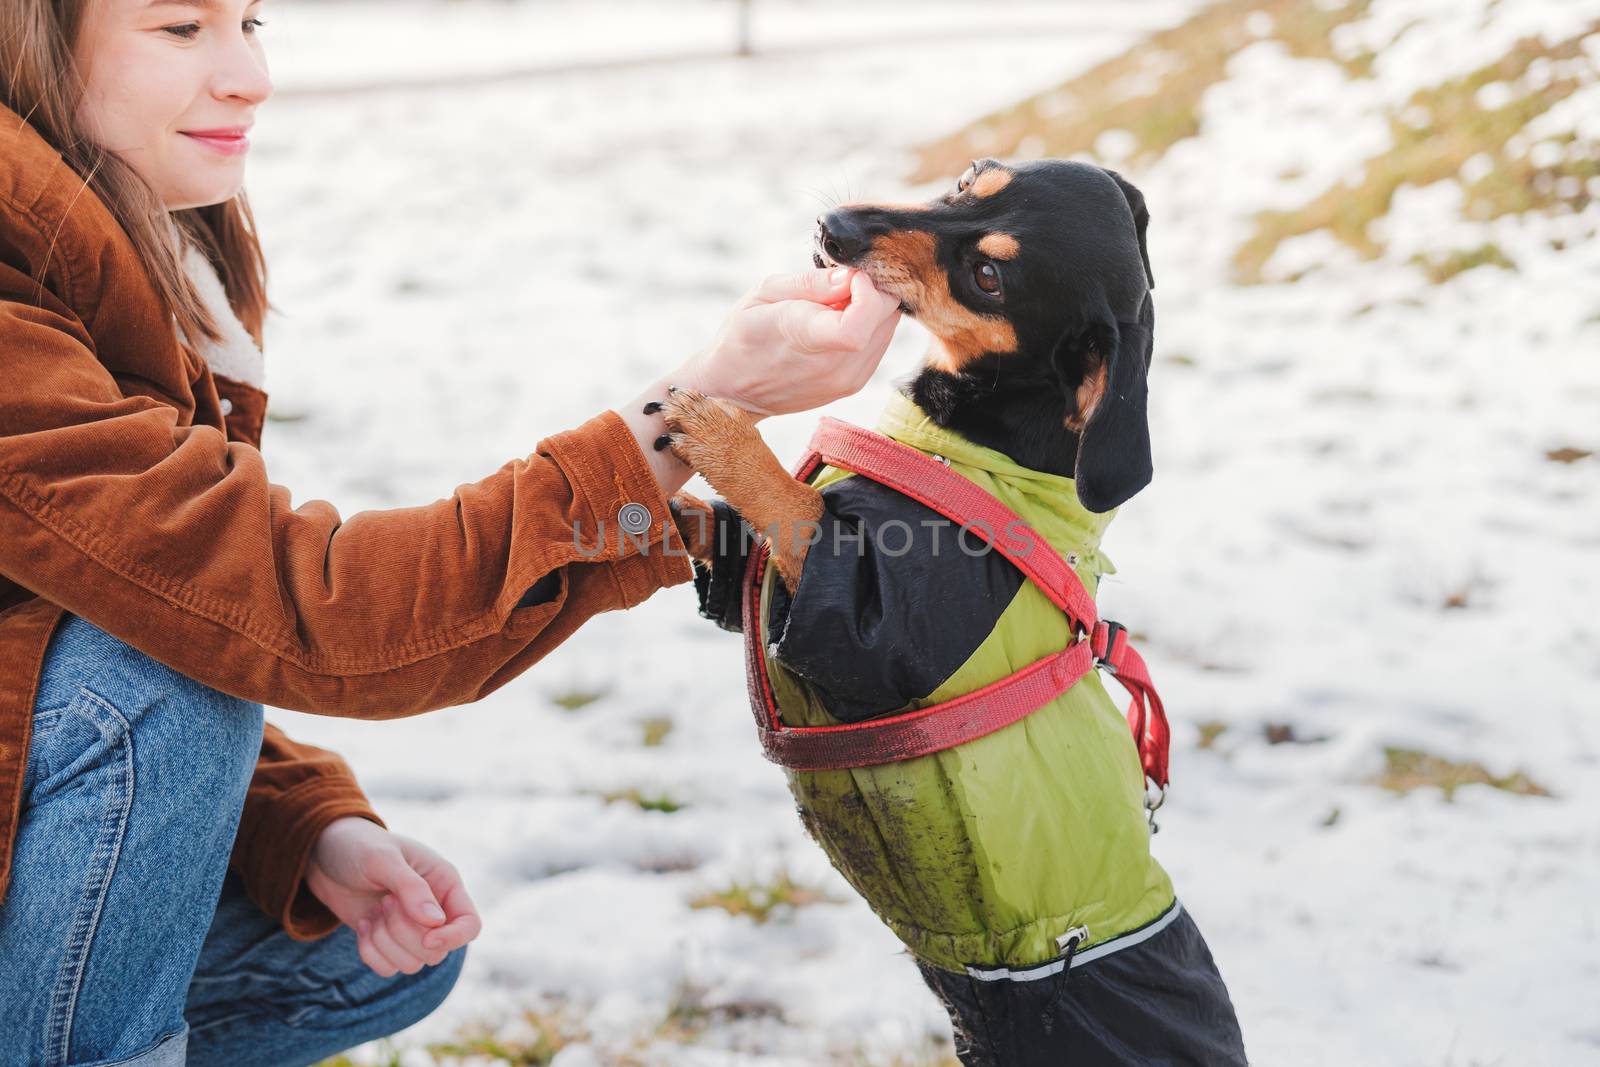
pixel 634 518
pixel 227 406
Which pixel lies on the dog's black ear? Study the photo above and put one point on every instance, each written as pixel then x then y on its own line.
pixel 1114 445
pixel 1141 221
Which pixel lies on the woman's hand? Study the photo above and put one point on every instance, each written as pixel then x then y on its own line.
pixel 405 902
pixel 788 346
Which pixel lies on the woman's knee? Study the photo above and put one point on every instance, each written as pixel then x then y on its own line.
pixel 215 738
pixel 429 987
pixel 330 1004
pixel 402 1000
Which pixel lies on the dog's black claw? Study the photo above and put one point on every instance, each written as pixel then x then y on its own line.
pixel 663 441
pixel 652 407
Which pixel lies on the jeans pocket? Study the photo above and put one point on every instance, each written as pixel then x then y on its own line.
pixel 41 743
pixel 70 741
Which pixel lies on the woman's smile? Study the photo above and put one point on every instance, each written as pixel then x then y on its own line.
pixel 227 141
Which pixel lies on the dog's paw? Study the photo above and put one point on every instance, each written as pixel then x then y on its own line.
pixel 703 431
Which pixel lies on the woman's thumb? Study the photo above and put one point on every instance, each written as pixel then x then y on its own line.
pixel 823 286
pixel 398 877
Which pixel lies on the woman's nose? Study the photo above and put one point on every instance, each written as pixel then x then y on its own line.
pixel 243 73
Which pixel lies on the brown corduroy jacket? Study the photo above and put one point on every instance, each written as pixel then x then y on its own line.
pixel 132 496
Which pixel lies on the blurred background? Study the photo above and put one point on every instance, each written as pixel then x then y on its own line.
pixel 1365 575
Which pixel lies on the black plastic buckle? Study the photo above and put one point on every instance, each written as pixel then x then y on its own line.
pixel 1112 630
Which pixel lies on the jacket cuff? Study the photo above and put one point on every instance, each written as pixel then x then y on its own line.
pixel 279 888
pixel 603 462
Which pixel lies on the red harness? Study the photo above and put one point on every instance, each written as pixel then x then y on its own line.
pixel 1099 643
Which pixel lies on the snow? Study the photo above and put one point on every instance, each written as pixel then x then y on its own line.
pixel 464 269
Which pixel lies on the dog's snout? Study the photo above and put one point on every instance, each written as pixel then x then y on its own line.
pixel 844 236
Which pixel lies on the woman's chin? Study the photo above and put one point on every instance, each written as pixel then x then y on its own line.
pixel 205 196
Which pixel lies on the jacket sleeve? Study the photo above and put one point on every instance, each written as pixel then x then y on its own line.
pixel 889 602
pixel 719 586
pixel 172 538
pixel 296 791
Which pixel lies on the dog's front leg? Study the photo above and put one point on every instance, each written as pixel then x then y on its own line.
pixel 720 441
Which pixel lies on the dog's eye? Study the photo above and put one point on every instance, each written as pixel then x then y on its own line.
pixel 964 182
pixel 987 277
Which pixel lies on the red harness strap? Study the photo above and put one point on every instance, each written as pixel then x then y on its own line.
pixel 1101 643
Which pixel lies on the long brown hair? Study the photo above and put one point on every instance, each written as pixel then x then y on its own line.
pixel 43 85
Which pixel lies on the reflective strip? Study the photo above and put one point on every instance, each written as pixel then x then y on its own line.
pixel 1116 944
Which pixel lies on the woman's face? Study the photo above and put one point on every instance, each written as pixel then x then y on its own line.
pixel 172 88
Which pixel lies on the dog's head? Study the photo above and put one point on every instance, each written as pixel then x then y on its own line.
pixel 1040 270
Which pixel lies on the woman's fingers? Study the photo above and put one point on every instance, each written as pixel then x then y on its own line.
pixel 819 286
pixel 408 936
pixel 455 933
pixel 374 959
pixel 384 939
pixel 869 309
pixel 816 328
pixel 464 923
pixel 788 347
pixel 804 326
pixel 393 871
pixel 873 352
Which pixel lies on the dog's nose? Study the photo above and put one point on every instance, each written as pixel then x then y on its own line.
pixel 845 236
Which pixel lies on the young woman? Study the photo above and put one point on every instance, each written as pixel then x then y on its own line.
pixel 180 883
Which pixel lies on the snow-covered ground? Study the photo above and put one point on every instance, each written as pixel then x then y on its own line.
pixel 464 270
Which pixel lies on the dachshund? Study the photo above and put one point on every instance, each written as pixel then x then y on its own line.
pixel 1034 283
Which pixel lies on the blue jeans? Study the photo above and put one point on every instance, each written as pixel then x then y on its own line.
pixel 124 939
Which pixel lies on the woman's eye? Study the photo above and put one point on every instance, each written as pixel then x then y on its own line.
pixel 190 30
pixel 987 277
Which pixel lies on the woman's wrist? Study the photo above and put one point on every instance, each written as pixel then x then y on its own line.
pixel 647 429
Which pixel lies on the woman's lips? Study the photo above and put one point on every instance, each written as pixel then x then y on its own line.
pixel 225 143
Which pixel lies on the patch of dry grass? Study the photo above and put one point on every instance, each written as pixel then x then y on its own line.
pixel 1152 91
pixel 1210 731
pixel 1443 268
pixel 690 1014
pixel 577 697
pixel 644 801
pixel 761 901
pixel 1434 136
pixel 654 730
pixel 1151 94
pixel 1408 769
pixel 539 1036
pixel 548 1032
pixel 938 1055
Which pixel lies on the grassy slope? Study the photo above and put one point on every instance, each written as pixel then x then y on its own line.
pixel 1154 93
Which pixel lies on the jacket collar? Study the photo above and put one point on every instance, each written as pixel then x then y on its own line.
pixel 1050 501
pixel 56 229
